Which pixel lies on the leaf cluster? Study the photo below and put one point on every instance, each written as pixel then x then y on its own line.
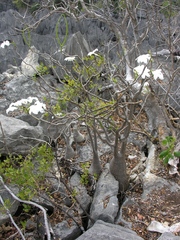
pixel 41 70
pixel 85 176
pixel 169 8
pixel 168 153
pixel 27 172
pixel 82 87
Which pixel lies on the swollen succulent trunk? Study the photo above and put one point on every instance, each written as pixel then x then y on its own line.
pixel 118 170
pixel 118 167
pixel 95 165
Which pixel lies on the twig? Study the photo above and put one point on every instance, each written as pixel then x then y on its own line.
pixel 12 220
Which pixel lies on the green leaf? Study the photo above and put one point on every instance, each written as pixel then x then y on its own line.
pixel 166 160
pixel 164 153
pixel 164 142
pixel 177 154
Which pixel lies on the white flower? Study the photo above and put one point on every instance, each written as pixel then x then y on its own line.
pixel 5 43
pixel 143 58
pixel 93 52
pixel 158 74
pixel 142 71
pixel 35 108
pixel 38 107
pixel 14 106
pixel 146 88
pixel 70 59
pixel 11 109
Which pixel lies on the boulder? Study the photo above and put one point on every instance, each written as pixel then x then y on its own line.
pixel 17 136
pixel 64 231
pixel 30 63
pixel 105 204
pixel 168 236
pixel 152 182
pixel 103 230
pixel 82 195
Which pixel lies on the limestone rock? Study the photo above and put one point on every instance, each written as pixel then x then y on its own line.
pixel 168 236
pixel 30 63
pixel 65 232
pixel 102 230
pixel 152 182
pixel 17 136
pixel 105 203
pixel 82 195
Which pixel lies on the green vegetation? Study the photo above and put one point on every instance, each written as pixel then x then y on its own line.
pixel 169 8
pixel 168 153
pixel 28 172
pixel 26 34
pixel 85 176
pixel 85 85
pixel 61 44
pixel 74 194
pixel 20 3
pixel 41 70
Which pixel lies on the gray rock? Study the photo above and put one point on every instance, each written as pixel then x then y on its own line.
pixel 151 182
pixel 11 203
pixel 82 196
pixel 168 236
pixel 17 136
pixel 107 231
pixel 84 153
pixel 30 63
pixel 23 87
pixel 105 203
pixel 64 231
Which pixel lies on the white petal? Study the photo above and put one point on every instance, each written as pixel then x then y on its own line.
pixel 10 109
pixel 7 43
pixel 158 74
pixel 70 59
pixel 142 71
pixel 93 52
pixel 143 58
pixel 2 45
pixel 38 107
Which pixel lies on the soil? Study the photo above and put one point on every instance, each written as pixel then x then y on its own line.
pixel 161 205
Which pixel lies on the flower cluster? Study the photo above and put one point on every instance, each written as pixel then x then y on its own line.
pixel 34 108
pixel 143 71
pixel 5 43
pixel 72 58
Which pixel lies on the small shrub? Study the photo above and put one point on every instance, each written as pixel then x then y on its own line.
pixel 28 172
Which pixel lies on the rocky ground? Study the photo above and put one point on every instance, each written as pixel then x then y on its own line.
pixel 141 203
